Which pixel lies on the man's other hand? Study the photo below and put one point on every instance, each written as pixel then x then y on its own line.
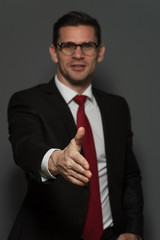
pixel 128 236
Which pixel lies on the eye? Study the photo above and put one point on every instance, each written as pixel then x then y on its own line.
pixel 87 45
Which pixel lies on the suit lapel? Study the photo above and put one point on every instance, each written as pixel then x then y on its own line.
pixel 55 98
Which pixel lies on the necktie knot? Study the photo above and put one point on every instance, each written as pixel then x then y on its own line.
pixel 80 99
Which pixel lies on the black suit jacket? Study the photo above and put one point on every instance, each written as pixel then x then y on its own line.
pixel 40 119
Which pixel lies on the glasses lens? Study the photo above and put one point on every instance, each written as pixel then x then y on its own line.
pixel 68 48
pixel 89 48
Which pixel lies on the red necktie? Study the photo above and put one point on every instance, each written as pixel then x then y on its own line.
pixel 93 227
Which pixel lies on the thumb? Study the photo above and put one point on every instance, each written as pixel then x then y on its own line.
pixel 79 136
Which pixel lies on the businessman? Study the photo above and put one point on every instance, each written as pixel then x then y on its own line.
pixel 74 143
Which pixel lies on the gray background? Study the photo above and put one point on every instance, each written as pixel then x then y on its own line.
pixel 131 34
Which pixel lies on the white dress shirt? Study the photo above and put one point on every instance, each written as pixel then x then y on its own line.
pixel 93 113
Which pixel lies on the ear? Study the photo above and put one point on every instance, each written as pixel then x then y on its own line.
pixel 101 53
pixel 53 53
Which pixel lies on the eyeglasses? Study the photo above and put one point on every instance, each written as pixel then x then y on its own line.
pixel 68 48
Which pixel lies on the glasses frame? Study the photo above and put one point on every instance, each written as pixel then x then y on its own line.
pixel 81 45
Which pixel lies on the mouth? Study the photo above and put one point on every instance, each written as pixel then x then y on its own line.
pixel 78 67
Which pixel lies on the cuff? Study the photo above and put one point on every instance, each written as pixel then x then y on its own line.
pixel 45 173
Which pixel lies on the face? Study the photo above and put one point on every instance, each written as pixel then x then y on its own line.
pixel 77 69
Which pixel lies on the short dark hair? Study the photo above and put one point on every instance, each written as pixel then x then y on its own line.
pixel 75 18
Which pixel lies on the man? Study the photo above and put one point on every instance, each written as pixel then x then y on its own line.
pixel 55 153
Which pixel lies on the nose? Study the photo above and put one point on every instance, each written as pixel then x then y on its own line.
pixel 78 53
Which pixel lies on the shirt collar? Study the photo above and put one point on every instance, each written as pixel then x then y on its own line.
pixel 68 93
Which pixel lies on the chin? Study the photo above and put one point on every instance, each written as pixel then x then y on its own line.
pixel 78 81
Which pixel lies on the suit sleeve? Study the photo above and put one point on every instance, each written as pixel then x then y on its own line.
pixel 132 198
pixel 26 135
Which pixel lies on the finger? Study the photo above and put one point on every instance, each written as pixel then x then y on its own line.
pixel 69 176
pixel 77 182
pixel 77 168
pixel 79 136
pixel 80 160
pixel 78 178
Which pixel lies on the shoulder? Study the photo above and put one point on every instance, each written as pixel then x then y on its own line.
pixel 114 109
pixel 29 93
pixel 33 94
pixel 24 101
pixel 110 100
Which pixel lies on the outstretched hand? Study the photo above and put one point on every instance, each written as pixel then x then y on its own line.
pixel 70 163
